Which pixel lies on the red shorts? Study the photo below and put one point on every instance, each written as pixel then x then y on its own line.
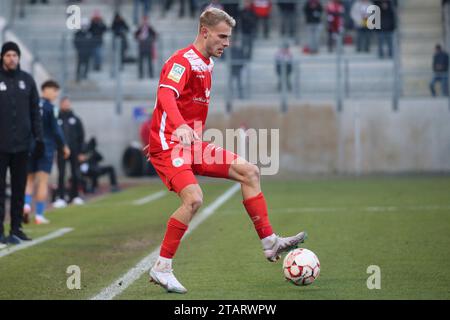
pixel 177 167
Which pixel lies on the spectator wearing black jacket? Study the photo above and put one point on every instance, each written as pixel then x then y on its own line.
pixel 84 46
pixel 73 130
pixel 247 23
pixel 388 26
pixel 440 71
pixel 120 30
pixel 20 124
pixel 313 13
pixel 146 36
pixel 97 29
pixel 288 12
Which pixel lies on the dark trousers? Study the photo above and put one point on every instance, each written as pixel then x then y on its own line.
pixel 82 67
pixel 145 58
pixel 441 77
pixel 96 173
pixel 17 164
pixel 288 23
pixel 263 22
pixel 75 175
pixel 385 38
pixel 363 40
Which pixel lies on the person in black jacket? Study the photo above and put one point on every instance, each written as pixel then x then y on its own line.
pixel 313 13
pixel 247 23
pixel 440 71
pixel 20 124
pixel 388 26
pixel 40 168
pixel 92 169
pixel 84 46
pixel 73 130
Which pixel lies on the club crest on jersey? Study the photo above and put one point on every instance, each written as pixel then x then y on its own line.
pixel 22 85
pixel 3 86
pixel 176 72
pixel 177 162
pixel 207 93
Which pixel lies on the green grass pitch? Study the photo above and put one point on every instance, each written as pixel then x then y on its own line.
pixel 401 224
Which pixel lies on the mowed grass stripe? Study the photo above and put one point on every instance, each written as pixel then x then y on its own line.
pixel 121 284
pixel 27 244
pixel 106 242
pixel 223 259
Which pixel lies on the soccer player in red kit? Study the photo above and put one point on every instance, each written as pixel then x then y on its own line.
pixel 182 104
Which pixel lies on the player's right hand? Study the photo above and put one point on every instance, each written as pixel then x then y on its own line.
pixel 186 135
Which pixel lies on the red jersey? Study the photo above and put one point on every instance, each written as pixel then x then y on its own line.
pixel 188 73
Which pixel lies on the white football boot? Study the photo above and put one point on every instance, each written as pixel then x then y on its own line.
pixel 41 220
pixel 274 245
pixel 59 204
pixel 162 274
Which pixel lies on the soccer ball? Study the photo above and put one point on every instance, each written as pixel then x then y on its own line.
pixel 301 267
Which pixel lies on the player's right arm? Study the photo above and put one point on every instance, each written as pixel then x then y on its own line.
pixel 173 81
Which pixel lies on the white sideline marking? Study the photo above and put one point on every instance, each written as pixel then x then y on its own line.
pixel 150 198
pixel 27 244
pixel 119 285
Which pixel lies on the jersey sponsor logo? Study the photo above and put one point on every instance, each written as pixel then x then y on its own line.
pixel 3 86
pixel 177 162
pixel 72 121
pixel 176 72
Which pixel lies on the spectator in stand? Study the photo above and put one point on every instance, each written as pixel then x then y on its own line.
pixel 283 59
pixel 288 17
pixel 84 46
pixel 237 64
pixel 97 29
pixel 388 26
pixel 232 8
pixel 360 15
pixel 440 71
pixel 39 169
pixel 248 27
pixel 36 1
pixel 313 13
pixel 146 37
pixel 146 6
pixel 120 30
pixel 335 21
pixel 263 9
pixel 73 130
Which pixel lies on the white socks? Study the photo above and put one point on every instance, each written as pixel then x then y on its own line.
pixel 163 264
pixel 269 241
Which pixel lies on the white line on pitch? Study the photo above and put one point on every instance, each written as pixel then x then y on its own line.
pixel 150 198
pixel 119 285
pixel 27 244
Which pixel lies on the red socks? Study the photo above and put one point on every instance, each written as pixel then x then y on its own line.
pixel 174 232
pixel 257 210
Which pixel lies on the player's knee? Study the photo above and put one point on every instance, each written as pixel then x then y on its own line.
pixel 194 202
pixel 252 173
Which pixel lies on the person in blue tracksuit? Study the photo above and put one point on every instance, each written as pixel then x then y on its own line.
pixel 40 167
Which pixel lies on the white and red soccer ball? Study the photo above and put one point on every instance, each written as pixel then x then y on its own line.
pixel 301 267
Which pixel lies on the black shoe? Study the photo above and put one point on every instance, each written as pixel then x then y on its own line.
pixel 3 239
pixel 17 237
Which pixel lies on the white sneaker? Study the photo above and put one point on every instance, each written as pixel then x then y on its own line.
pixel 41 220
pixel 167 280
pixel 278 245
pixel 59 204
pixel 78 201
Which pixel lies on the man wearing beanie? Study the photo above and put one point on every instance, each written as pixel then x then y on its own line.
pixel 20 128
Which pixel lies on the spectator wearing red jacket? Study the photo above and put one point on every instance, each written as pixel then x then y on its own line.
pixel 262 10
pixel 335 21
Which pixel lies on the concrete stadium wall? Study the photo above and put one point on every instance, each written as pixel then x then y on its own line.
pixel 314 138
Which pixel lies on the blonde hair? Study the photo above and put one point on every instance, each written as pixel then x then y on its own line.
pixel 213 16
